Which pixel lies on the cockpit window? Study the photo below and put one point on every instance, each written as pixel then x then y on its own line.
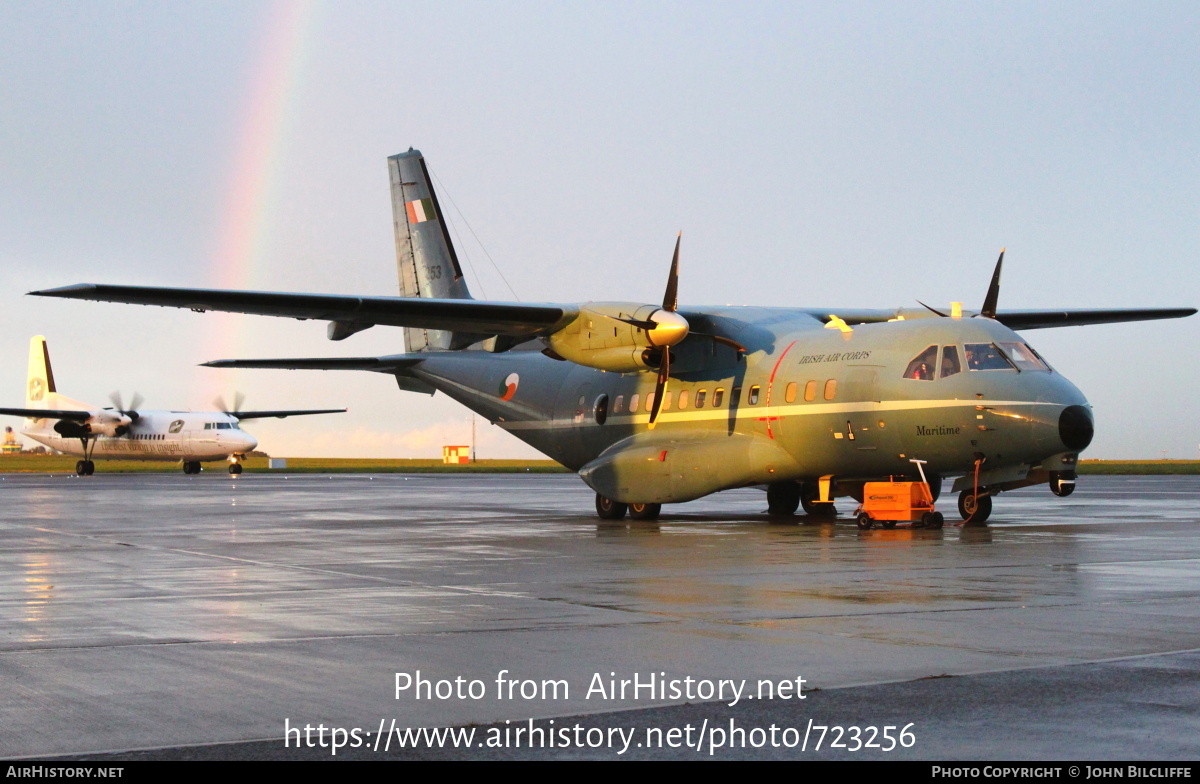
pixel 986 356
pixel 1024 356
pixel 950 363
pixel 923 364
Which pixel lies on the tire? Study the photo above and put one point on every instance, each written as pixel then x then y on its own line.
pixel 808 499
pixel 80 468
pixel 609 509
pixel 888 524
pixel 936 521
pixel 865 523
pixel 783 498
pixel 974 509
pixel 235 468
pixel 645 511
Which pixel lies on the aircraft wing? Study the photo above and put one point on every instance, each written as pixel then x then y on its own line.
pixel 461 315
pixel 1042 319
pixel 48 413
pixel 281 414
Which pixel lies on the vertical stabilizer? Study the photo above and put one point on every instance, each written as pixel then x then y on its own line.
pixel 425 257
pixel 39 387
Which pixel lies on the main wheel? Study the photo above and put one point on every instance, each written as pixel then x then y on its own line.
pixel 783 498
pixel 975 508
pixel 645 511
pixel 609 509
pixel 808 499
pixel 81 468
pixel 89 466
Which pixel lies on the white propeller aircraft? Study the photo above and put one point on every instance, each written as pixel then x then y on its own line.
pixel 120 433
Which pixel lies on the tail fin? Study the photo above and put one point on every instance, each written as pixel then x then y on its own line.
pixel 39 387
pixel 425 257
pixel 40 391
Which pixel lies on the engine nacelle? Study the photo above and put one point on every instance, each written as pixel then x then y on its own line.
pixel 620 337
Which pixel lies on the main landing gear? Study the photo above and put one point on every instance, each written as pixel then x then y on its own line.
pixel 191 466
pixel 609 509
pixel 85 468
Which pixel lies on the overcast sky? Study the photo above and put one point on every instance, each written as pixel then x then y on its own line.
pixel 813 154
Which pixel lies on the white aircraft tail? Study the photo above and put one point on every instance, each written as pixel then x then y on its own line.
pixel 425 257
pixel 40 391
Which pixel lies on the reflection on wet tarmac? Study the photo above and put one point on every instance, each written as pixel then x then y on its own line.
pixel 273 595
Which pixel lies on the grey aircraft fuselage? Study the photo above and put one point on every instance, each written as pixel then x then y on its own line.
pixel 805 401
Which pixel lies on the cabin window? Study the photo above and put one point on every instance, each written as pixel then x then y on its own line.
pixel 700 396
pixel 1023 356
pixel 619 404
pixel 922 365
pixel 683 399
pixel 950 363
pixel 810 391
pixel 789 393
pixel 830 388
pixel 718 396
pixel 633 403
pixel 650 401
pixel 752 398
pixel 600 410
pixel 986 356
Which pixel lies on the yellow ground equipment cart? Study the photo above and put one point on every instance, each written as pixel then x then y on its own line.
pixel 892 502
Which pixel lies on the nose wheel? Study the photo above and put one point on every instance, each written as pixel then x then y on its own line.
pixel 975 507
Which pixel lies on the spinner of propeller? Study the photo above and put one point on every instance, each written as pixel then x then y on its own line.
pixel 128 415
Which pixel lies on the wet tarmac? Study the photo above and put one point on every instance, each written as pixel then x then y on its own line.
pixel 213 617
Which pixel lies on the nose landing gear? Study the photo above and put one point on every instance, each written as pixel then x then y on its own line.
pixel 975 505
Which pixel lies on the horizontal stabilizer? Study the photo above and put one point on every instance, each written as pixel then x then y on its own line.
pixel 378 364
pixel 1042 319
pixel 47 413
pixel 281 414
pixel 456 315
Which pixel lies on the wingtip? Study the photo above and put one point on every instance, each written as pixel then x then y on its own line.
pixel 62 291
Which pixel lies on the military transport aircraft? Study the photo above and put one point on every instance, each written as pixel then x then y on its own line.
pixel 655 404
pixel 132 433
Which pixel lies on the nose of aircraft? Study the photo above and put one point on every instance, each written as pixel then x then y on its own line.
pixel 1075 427
pixel 244 442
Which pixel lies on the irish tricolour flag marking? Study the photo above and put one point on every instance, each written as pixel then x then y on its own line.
pixel 420 210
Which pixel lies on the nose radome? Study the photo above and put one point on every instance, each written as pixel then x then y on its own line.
pixel 1075 427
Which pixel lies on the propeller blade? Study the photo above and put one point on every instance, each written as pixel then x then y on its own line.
pixel 935 310
pixel 136 402
pixel 664 371
pixel 733 344
pixel 993 292
pixel 671 298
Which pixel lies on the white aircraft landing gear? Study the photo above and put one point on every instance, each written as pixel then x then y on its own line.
pixel 191 466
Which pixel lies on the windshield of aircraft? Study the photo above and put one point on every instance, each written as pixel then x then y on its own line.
pixel 218 426
pixel 1008 355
